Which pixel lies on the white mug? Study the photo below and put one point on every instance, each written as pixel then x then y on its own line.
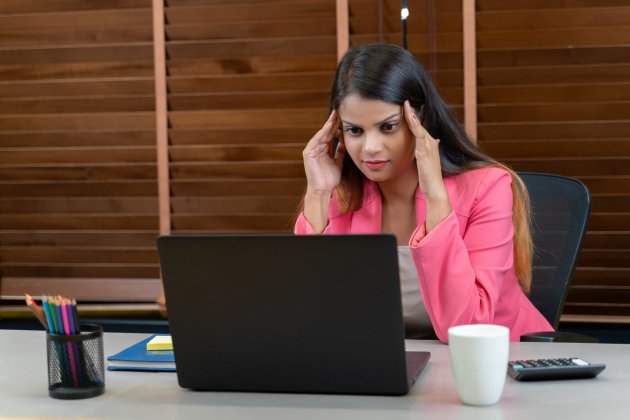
pixel 479 358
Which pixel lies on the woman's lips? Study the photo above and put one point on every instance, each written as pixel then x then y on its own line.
pixel 375 164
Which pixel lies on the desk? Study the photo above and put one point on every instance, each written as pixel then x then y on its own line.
pixel 139 395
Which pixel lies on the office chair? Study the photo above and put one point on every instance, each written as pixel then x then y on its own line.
pixel 561 207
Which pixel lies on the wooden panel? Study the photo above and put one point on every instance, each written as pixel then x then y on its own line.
pixel 248 87
pixel 554 96
pixel 77 148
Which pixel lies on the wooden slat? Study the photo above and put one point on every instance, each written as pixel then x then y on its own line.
pixel 533 20
pixel 235 205
pixel 250 29
pixel 250 82
pixel 265 100
pixel 605 258
pixel 553 56
pixel 553 38
pixel 268 169
pixel 74 87
pixel 554 129
pixel 242 135
pixel 59 36
pixel 252 118
pixel 80 70
pixel 63 155
pixel 235 187
pixel 559 74
pixel 236 153
pixel 127 103
pixel 576 167
pixel 553 93
pixel 543 5
pixel 606 240
pixel 178 50
pixel 68 238
pixel 47 271
pixel 94 221
pixel 88 288
pixel 76 138
pixel 35 6
pixel 69 205
pixel 255 222
pixel 78 255
pixel 557 148
pixel 271 10
pixel 136 120
pixel 278 64
pixel 77 176
pixel 76 54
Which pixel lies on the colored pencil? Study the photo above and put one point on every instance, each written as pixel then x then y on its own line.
pixel 32 305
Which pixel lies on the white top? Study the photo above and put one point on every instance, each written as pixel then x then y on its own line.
pixel 417 322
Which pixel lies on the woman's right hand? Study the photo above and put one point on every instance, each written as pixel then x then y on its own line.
pixel 323 172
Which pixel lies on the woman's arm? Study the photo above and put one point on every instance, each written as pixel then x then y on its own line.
pixel 461 275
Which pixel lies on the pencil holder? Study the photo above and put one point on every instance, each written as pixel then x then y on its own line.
pixel 76 366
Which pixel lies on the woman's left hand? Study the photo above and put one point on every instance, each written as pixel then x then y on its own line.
pixel 430 180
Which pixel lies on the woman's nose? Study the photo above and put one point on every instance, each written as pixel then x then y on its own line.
pixel 373 143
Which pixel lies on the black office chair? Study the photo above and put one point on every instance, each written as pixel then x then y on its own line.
pixel 561 207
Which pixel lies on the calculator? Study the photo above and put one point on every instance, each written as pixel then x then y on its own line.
pixel 548 369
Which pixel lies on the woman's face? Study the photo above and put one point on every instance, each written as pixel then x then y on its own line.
pixel 377 137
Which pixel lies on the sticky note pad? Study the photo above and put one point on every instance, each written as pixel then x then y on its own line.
pixel 160 342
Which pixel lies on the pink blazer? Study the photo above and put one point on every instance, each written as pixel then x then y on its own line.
pixel 466 263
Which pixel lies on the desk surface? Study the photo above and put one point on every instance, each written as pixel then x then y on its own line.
pixel 139 395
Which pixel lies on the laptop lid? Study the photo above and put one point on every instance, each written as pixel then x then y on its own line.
pixel 285 313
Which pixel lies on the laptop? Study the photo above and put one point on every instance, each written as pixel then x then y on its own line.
pixel 286 313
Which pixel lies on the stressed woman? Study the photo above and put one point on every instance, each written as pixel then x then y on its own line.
pixel 404 165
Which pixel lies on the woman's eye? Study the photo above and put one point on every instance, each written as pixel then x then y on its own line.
pixel 389 126
pixel 355 131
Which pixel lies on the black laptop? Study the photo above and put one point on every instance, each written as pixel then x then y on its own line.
pixel 285 313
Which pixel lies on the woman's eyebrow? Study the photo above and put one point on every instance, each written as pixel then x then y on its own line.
pixel 376 124
pixel 388 118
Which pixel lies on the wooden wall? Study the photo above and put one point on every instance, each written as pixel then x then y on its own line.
pixel 247 85
pixel 554 96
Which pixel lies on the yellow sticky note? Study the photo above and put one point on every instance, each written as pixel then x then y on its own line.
pixel 160 342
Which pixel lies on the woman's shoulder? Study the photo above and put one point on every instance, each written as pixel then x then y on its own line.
pixel 480 178
pixel 470 186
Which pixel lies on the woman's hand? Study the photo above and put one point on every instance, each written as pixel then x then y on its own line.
pixel 430 179
pixel 323 172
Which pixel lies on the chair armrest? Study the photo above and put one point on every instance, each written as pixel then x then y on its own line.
pixel 558 337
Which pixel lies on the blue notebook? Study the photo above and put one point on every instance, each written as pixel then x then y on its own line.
pixel 137 357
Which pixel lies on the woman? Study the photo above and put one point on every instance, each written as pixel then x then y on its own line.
pixel 404 165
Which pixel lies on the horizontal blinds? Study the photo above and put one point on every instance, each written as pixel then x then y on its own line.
pixel 78 213
pixel 248 86
pixel 554 96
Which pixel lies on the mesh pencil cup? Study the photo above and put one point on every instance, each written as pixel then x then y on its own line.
pixel 76 366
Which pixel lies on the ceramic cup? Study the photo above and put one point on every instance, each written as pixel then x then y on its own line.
pixel 479 358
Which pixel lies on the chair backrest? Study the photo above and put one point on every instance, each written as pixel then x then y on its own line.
pixel 561 207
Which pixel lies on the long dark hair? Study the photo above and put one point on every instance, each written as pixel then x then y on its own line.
pixel 391 74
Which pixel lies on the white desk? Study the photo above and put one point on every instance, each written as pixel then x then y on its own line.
pixel 136 395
